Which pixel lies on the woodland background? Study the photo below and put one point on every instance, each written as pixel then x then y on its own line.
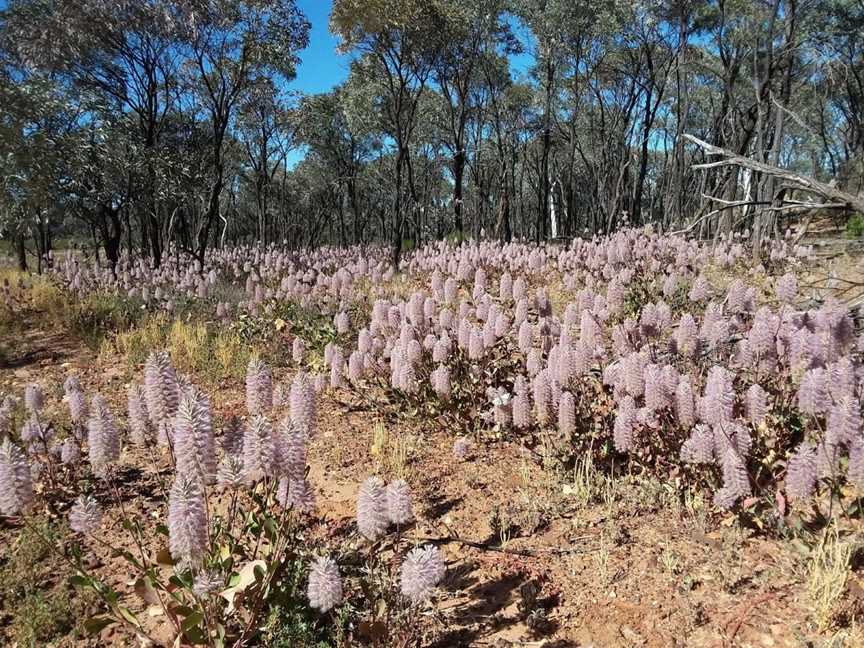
pixel 148 125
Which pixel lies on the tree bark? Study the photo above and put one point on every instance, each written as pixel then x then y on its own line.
pixel 803 182
pixel 112 233
pixel 543 191
pixel 458 179
pixel 21 249
pixel 398 219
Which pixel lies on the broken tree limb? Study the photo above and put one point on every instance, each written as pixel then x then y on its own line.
pixel 801 182
pixel 726 204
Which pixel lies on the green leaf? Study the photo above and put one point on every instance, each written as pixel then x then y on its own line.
pixel 132 559
pixel 270 528
pixel 95 625
pixel 131 618
pixel 80 581
pixel 196 635
pixel 260 571
pixel 228 564
pixel 186 580
pixel 191 621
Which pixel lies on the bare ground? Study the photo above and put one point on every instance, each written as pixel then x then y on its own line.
pixel 530 563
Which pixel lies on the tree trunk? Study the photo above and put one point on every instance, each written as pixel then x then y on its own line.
pixel 128 218
pixel 340 209
pixel 38 253
pixel 503 226
pixel 647 120
pixel 112 234
pixel 458 178
pixel 355 209
pixel 396 234
pixel 543 191
pixel 21 249
pixel 155 239
pixel 211 215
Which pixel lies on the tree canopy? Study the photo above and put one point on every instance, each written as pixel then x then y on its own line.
pixel 155 125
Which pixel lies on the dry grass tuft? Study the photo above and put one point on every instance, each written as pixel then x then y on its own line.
pixel 391 452
pixel 192 345
pixel 828 573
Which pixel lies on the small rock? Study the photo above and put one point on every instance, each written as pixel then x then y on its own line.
pixel 633 637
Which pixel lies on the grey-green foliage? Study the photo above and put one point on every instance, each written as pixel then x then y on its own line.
pixel 466 117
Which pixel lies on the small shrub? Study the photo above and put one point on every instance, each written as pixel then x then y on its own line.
pixel 855 226
pixel 291 622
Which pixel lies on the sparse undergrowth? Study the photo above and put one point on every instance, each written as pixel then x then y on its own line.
pixel 638 375
pixel 39 604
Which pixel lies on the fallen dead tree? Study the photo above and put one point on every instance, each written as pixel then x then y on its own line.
pixel 833 197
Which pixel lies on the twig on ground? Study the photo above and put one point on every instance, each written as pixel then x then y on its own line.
pixel 488 546
pixel 743 611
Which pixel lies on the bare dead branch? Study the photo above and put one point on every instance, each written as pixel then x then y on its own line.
pixel 801 182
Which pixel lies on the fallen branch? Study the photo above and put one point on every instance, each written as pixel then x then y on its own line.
pixel 806 207
pixel 727 204
pixel 837 197
pixel 488 546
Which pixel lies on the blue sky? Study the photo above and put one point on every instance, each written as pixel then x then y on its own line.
pixel 321 67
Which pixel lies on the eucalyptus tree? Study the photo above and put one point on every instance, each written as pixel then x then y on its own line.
pixel 265 128
pixel 148 123
pixel 560 29
pixel 38 124
pixel 398 43
pixel 122 51
pixel 472 31
pixel 102 161
pixel 649 56
pixel 337 129
pixel 753 56
pixel 836 113
pixel 230 47
pixel 840 76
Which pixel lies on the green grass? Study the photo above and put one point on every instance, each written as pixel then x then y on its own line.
pixel 855 226
pixel 101 314
pixel 35 593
